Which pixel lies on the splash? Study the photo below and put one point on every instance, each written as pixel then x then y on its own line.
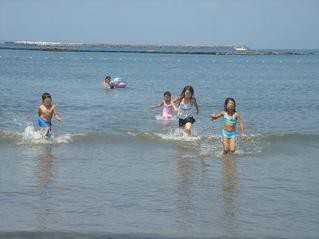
pixel 179 135
pixel 176 135
pixel 32 136
pixel 161 118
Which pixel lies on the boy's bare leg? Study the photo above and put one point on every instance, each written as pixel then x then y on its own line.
pixel 45 132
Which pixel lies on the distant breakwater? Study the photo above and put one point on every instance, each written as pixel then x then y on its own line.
pixel 240 53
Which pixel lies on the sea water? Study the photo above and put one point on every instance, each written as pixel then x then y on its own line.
pixel 114 169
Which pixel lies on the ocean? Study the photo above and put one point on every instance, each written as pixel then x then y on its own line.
pixel 114 169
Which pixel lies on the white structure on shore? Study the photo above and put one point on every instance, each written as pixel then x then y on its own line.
pixel 240 48
pixel 38 43
pixel 44 43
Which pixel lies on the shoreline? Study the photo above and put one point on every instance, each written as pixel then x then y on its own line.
pixel 239 53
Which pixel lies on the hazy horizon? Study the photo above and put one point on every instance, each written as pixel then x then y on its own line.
pixel 280 24
pixel 172 45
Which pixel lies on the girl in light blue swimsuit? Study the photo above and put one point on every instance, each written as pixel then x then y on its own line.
pixel 183 105
pixel 231 118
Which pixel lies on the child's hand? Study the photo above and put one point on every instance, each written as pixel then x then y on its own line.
pixel 213 116
pixel 58 117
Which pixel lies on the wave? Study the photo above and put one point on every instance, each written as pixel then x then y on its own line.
pixel 176 135
pixel 286 137
pixel 32 136
pixel 92 235
pixel 180 136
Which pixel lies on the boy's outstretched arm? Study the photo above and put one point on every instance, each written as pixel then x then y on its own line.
pixel 39 111
pixel 56 114
pixel 217 116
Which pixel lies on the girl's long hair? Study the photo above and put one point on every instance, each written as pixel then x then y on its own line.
pixel 182 95
pixel 188 87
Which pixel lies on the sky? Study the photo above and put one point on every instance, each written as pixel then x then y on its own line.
pixel 259 24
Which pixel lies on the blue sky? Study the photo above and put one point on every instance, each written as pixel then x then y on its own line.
pixel 256 23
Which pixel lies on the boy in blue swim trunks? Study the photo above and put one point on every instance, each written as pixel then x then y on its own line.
pixel 46 111
pixel 231 118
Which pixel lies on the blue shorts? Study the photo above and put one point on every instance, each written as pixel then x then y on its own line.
pixel 229 135
pixel 43 123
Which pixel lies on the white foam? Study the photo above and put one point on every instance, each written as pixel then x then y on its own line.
pixel 63 139
pixel 179 135
pixel 30 135
pixel 160 117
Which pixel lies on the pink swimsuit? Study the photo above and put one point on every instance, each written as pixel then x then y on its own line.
pixel 167 111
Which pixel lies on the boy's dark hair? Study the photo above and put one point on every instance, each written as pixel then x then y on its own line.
pixel 167 93
pixel 45 95
pixel 227 101
pixel 107 78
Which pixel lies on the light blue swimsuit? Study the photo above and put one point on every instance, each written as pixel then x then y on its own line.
pixel 229 121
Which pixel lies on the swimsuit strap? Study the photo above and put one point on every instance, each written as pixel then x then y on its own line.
pixel 183 106
pixel 231 120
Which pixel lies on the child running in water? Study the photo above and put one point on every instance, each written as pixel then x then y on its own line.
pixel 231 117
pixel 46 111
pixel 183 105
pixel 167 113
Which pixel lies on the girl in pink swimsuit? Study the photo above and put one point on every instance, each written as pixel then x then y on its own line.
pixel 167 106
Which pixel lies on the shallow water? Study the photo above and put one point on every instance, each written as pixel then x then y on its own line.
pixel 114 169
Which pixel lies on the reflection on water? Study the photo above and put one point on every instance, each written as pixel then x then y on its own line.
pixel 45 177
pixel 196 193
pixel 184 204
pixel 230 196
pixel 45 166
